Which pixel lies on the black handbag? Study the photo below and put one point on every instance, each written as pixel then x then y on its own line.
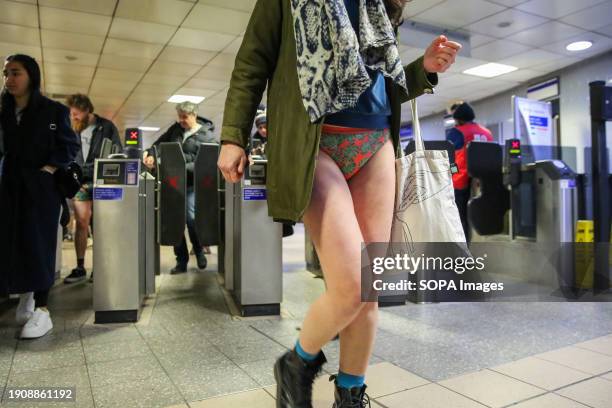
pixel 68 179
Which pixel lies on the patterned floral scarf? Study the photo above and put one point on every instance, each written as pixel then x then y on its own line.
pixel 332 58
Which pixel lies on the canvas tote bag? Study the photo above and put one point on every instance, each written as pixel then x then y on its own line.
pixel 425 209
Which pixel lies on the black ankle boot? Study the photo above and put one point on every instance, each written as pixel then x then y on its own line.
pixel 350 398
pixel 294 379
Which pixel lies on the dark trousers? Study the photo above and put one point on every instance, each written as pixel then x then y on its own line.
pixel 181 251
pixel 40 298
pixel 461 199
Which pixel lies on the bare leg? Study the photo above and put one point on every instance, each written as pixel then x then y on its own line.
pixel 373 192
pixel 335 232
pixel 82 214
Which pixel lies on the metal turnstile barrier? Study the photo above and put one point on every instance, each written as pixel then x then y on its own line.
pixel 230 191
pixel 123 204
pixel 556 201
pixel 253 245
pixel 221 217
pixel 206 195
pixel 172 181
pixel 556 213
pixel 148 248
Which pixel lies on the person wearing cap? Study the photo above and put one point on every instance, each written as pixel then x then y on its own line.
pixel 190 130
pixel 464 132
pixel 259 139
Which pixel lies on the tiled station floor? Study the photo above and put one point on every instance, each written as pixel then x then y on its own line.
pixel 189 351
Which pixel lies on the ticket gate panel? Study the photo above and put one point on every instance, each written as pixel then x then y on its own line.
pixel 206 195
pixel 106 149
pixel 117 293
pixel 257 261
pixel 557 209
pixel 228 256
pixel 222 223
pixel 149 248
pixel 253 246
pixel 556 195
pixel 172 191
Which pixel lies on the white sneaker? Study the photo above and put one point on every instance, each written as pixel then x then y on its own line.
pixel 25 308
pixel 38 325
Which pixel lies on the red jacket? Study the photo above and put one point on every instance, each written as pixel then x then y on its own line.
pixel 461 136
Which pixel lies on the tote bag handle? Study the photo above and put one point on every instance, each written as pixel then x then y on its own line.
pixel 419 147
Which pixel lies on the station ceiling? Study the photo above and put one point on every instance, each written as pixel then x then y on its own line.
pixel 130 56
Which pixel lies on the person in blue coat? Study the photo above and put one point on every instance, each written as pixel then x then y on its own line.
pixel 37 140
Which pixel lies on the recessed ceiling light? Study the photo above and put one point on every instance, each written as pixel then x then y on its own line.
pixel 71 58
pixel 148 128
pixel 448 122
pixel 490 70
pixel 579 46
pixel 505 24
pixel 186 98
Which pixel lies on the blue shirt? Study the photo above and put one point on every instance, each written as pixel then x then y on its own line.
pixel 373 108
pixel 455 136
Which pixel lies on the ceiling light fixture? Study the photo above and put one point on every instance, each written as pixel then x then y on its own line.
pixel 579 46
pixel 490 70
pixel 504 24
pixel 186 98
pixel 148 128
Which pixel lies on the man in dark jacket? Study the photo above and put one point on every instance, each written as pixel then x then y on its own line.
pixel 190 131
pixel 92 130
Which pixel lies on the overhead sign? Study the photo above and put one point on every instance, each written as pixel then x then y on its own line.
pixel 544 90
pixel 533 123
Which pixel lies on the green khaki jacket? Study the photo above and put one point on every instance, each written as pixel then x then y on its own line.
pixel 267 56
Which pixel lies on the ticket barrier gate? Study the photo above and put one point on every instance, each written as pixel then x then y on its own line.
pixel 206 194
pixel 108 148
pixel 556 215
pixel 172 187
pixel 172 179
pixel 124 251
pixel 221 217
pixel 540 203
pixel 253 245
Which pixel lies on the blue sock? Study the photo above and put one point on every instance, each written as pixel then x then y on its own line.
pixel 304 355
pixel 349 381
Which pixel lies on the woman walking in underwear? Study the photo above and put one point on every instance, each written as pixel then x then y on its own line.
pixel 335 85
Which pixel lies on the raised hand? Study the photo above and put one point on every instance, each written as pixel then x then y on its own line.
pixel 440 55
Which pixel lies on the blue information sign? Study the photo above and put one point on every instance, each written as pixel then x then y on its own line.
pixel 249 194
pixel 107 194
pixel 538 121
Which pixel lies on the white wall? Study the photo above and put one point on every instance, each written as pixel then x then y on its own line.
pixel 574 105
